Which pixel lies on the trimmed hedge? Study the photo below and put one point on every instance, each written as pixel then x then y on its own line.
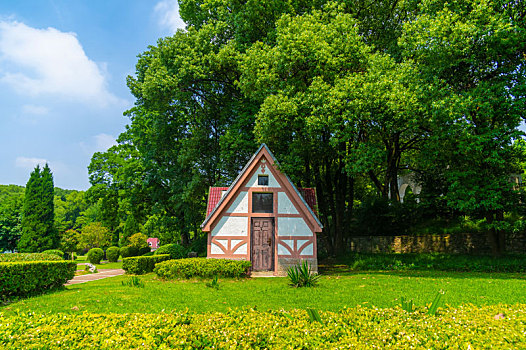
pixel 57 252
pixel 112 254
pixel 95 255
pixel 202 267
pixel 176 251
pixel 128 251
pixel 434 262
pixel 142 264
pixel 33 277
pixel 354 328
pixel 9 257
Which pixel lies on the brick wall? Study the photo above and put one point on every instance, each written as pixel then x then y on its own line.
pixel 459 243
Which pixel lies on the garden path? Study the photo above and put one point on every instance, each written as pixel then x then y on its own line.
pixel 96 276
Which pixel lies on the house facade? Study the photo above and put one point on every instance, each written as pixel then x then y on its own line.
pixel 262 217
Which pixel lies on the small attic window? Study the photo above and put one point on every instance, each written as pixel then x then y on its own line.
pixel 262 180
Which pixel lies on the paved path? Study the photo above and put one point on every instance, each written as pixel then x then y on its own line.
pixel 96 276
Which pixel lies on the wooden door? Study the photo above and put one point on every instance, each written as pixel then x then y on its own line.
pixel 262 244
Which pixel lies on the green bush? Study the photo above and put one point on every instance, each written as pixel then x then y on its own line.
pixel 176 251
pixel 8 257
pixel 202 267
pixel 142 264
pixel 57 252
pixel 33 277
pixel 95 255
pixel 128 251
pixel 144 250
pixel 465 327
pixel 434 262
pixel 112 254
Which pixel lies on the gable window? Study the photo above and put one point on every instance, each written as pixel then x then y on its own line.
pixel 262 180
pixel 262 202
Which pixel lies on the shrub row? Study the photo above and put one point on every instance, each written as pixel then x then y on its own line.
pixel 142 264
pixel 8 257
pixel 359 328
pixel 435 262
pixel 202 267
pixel 33 277
pixel 57 252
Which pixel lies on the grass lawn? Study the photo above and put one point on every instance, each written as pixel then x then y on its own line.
pixel 336 291
pixel 102 265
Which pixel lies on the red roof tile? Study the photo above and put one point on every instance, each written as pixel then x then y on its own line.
pixel 213 198
pixel 309 194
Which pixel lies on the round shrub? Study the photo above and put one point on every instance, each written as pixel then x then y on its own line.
pixel 95 255
pixel 112 253
pixel 56 252
pixel 176 251
pixel 144 250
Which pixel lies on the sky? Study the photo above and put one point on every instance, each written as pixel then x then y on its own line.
pixel 63 69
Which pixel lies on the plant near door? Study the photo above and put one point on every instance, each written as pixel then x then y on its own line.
pixel 302 275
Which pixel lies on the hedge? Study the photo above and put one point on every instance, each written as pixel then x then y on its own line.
pixel 128 251
pixel 354 328
pixel 57 252
pixel 202 267
pixel 33 277
pixel 176 251
pixel 434 262
pixel 142 264
pixel 9 257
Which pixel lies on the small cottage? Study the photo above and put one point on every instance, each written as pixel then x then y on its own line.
pixel 153 243
pixel 264 218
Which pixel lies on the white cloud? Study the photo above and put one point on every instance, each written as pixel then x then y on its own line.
pixel 98 143
pixel 168 12
pixel 34 110
pixel 29 163
pixel 39 62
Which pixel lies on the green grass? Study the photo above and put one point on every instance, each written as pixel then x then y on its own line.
pixel 380 289
pixel 102 265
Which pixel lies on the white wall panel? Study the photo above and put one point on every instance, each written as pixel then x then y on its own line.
pixel 240 204
pixel 285 205
pixel 231 226
pixel 293 227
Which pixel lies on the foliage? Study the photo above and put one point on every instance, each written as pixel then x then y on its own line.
pixel 145 250
pixel 138 240
pixel 214 283
pixel 38 231
pixel 94 235
pixel 34 277
pixel 10 217
pixel 10 257
pixel 133 281
pixel 202 267
pixel 302 275
pixel 176 251
pixel 142 264
pixel 358 327
pixel 95 255
pixel 407 305
pixel 57 252
pixel 128 251
pixel 433 307
pixel 69 241
pixel 433 262
pixel 113 253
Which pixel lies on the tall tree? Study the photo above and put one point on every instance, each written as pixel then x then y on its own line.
pixel 38 230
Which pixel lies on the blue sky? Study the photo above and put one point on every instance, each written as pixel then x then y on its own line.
pixel 63 68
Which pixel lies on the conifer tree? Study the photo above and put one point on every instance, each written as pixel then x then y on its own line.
pixel 38 231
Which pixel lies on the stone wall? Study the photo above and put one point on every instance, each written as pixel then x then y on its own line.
pixel 459 243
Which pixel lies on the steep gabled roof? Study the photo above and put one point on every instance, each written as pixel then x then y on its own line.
pixel 242 177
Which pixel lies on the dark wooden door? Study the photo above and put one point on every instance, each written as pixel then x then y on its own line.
pixel 262 244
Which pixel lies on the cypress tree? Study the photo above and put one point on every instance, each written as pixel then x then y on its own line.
pixel 38 231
